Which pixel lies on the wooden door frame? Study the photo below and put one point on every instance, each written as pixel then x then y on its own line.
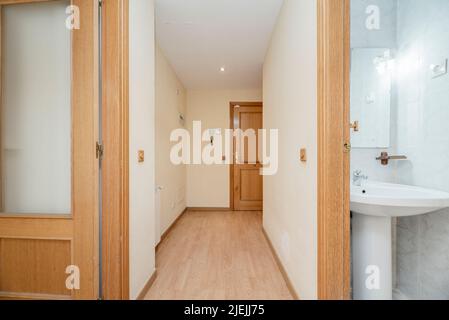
pixel 334 272
pixel 115 164
pixel 232 127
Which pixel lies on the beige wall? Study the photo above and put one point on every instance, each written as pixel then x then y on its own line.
pixel 170 102
pixel 141 180
pixel 208 186
pixel 290 105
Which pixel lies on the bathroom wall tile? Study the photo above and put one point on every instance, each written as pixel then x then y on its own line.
pixel 408 256
pixel 365 160
pixel 434 255
pixel 423 135
pixel 385 37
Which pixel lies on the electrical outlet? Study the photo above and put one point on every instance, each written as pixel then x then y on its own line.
pixel 303 155
pixel 141 156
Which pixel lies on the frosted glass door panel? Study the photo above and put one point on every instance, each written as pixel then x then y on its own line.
pixel 36 109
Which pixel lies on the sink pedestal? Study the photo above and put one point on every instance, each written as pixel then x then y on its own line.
pixel 371 256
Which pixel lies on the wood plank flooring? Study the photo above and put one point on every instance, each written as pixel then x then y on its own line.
pixel 217 256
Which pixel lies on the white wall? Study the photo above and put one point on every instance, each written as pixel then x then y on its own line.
pixel 208 186
pixel 142 123
pixel 170 102
pixel 290 105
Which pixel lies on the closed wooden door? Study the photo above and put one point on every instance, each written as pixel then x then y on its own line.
pixel 247 181
pixel 49 168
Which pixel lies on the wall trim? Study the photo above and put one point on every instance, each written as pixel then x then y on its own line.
pixel 202 209
pixel 147 286
pixel 289 283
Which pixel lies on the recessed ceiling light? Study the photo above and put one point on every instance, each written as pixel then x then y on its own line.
pixel 222 69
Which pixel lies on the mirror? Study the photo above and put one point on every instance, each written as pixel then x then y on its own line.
pixel 371 97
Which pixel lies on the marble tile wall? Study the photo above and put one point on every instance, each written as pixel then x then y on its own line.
pixel 423 135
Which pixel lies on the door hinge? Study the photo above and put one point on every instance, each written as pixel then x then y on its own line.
pixel 100 3
pixel 99 150
pixel 348 147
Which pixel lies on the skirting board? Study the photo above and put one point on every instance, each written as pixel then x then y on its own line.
pixel 147 287
pixel 164 235
pixel 212 209
pixel 281 267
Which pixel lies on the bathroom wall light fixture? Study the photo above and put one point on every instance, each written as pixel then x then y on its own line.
pixel 439 70
pixel 384 63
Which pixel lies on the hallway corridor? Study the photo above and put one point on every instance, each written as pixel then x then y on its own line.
pixel 217 255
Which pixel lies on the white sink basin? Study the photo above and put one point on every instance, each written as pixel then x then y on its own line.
pixel 395 200
pixel 373 205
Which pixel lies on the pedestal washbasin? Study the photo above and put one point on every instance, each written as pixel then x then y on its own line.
pixel 373 205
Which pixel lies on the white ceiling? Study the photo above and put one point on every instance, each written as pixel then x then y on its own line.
pixel 200 36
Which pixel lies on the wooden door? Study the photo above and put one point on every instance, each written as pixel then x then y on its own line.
pixel 247 182
pixel 49 168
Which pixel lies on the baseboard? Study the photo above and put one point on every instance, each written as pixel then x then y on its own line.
pixel 147 286
pixel 164 235
pixel 290 286
pixel 201 209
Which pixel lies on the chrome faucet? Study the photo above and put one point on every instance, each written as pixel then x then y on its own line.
pixel 358 177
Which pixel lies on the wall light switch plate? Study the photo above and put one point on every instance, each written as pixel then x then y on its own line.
pixel 303 155
pixel 141 156
pixel 438 70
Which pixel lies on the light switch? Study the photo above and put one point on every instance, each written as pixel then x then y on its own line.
pixel 141 156
pixel 303 155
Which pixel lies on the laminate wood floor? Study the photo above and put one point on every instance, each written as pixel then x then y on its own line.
pixel 217 256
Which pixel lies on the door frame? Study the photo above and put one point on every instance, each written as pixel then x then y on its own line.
pixel 232 127
pixel 334 237
pixel 115 163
